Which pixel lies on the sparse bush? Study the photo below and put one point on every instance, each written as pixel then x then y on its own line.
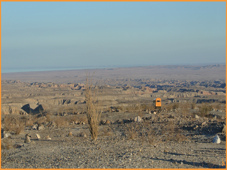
pixel 6 144
pixel 106 131
pixel 193 105
pixel 60 121
pixel 13 123
pixel 93 110
pixel 172 106
pixel 204 109
pixel 132 131
pixel 185 108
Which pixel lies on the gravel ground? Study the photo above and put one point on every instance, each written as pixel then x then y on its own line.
pixel 115 148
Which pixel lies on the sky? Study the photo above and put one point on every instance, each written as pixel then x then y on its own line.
pixel 105 34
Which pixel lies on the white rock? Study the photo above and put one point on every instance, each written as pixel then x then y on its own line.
pixel 6 135
pixel 48 137
pixel 138 119
pixel 216 139
pixel 196 116
pixel 38 136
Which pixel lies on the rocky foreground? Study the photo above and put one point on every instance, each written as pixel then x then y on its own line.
pixel 164 140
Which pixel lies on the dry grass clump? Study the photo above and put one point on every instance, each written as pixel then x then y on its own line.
pixel 7 144
pixel 93 109
pixel 14 124
pixel 106 131
pixel 60 121
pixel 147 132
pixel 132 131
pixel 185 108
pixel 204 110
pixel 171 106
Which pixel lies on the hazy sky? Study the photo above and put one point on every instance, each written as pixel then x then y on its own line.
pixel 72 34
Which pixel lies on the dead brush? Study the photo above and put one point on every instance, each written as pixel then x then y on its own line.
pixel 164 132
pixel 13 123
pixel 7 144
pixel 93 109
pixel 60 121
pixel 204 110
pixel 106 131
pixel 133 130
pixel 185 108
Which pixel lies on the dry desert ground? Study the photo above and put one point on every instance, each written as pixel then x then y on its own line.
pixel 45 118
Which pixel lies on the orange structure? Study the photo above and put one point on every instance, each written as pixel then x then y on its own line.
pixel 157 103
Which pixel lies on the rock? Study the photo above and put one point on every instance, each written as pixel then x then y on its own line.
pixel 138 119
pixel 82 134
pixel 38 136
pixel 27 138
pixel 196 116
pixel 48 137
pixel 35 127
pixel 102 122
pixel 51 124
pixel 107 122
pixel 70 134
pixel 40 127
pixel 18 145
pixel 196 127
pixel 203 123
pixel 171 117
pixel 4 134
pixel 217 139
pixel 224 129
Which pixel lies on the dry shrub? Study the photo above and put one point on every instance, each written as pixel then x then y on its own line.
pixel 160 133
pixel 13 123
pixel 107 131
pixel 204 110
pixel 171 132
pixel 193 105
pixel 171 106
pixel 60 121
pixel 93 110
pixel 6 144
pixel 82 118
pixel 185 107
pixel 132 131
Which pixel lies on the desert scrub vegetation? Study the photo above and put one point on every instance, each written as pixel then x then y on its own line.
pixel 7 144
pixel 204 110
pixel 93 109
pixel 147 132
pixel 14 124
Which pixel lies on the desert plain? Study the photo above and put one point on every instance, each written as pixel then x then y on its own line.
pixel 51 108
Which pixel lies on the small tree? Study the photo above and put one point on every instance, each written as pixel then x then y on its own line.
pixel 93 111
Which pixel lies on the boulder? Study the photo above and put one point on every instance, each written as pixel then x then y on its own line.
pixel 217 139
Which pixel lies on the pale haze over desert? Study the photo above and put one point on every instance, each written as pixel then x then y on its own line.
pixel 113 85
